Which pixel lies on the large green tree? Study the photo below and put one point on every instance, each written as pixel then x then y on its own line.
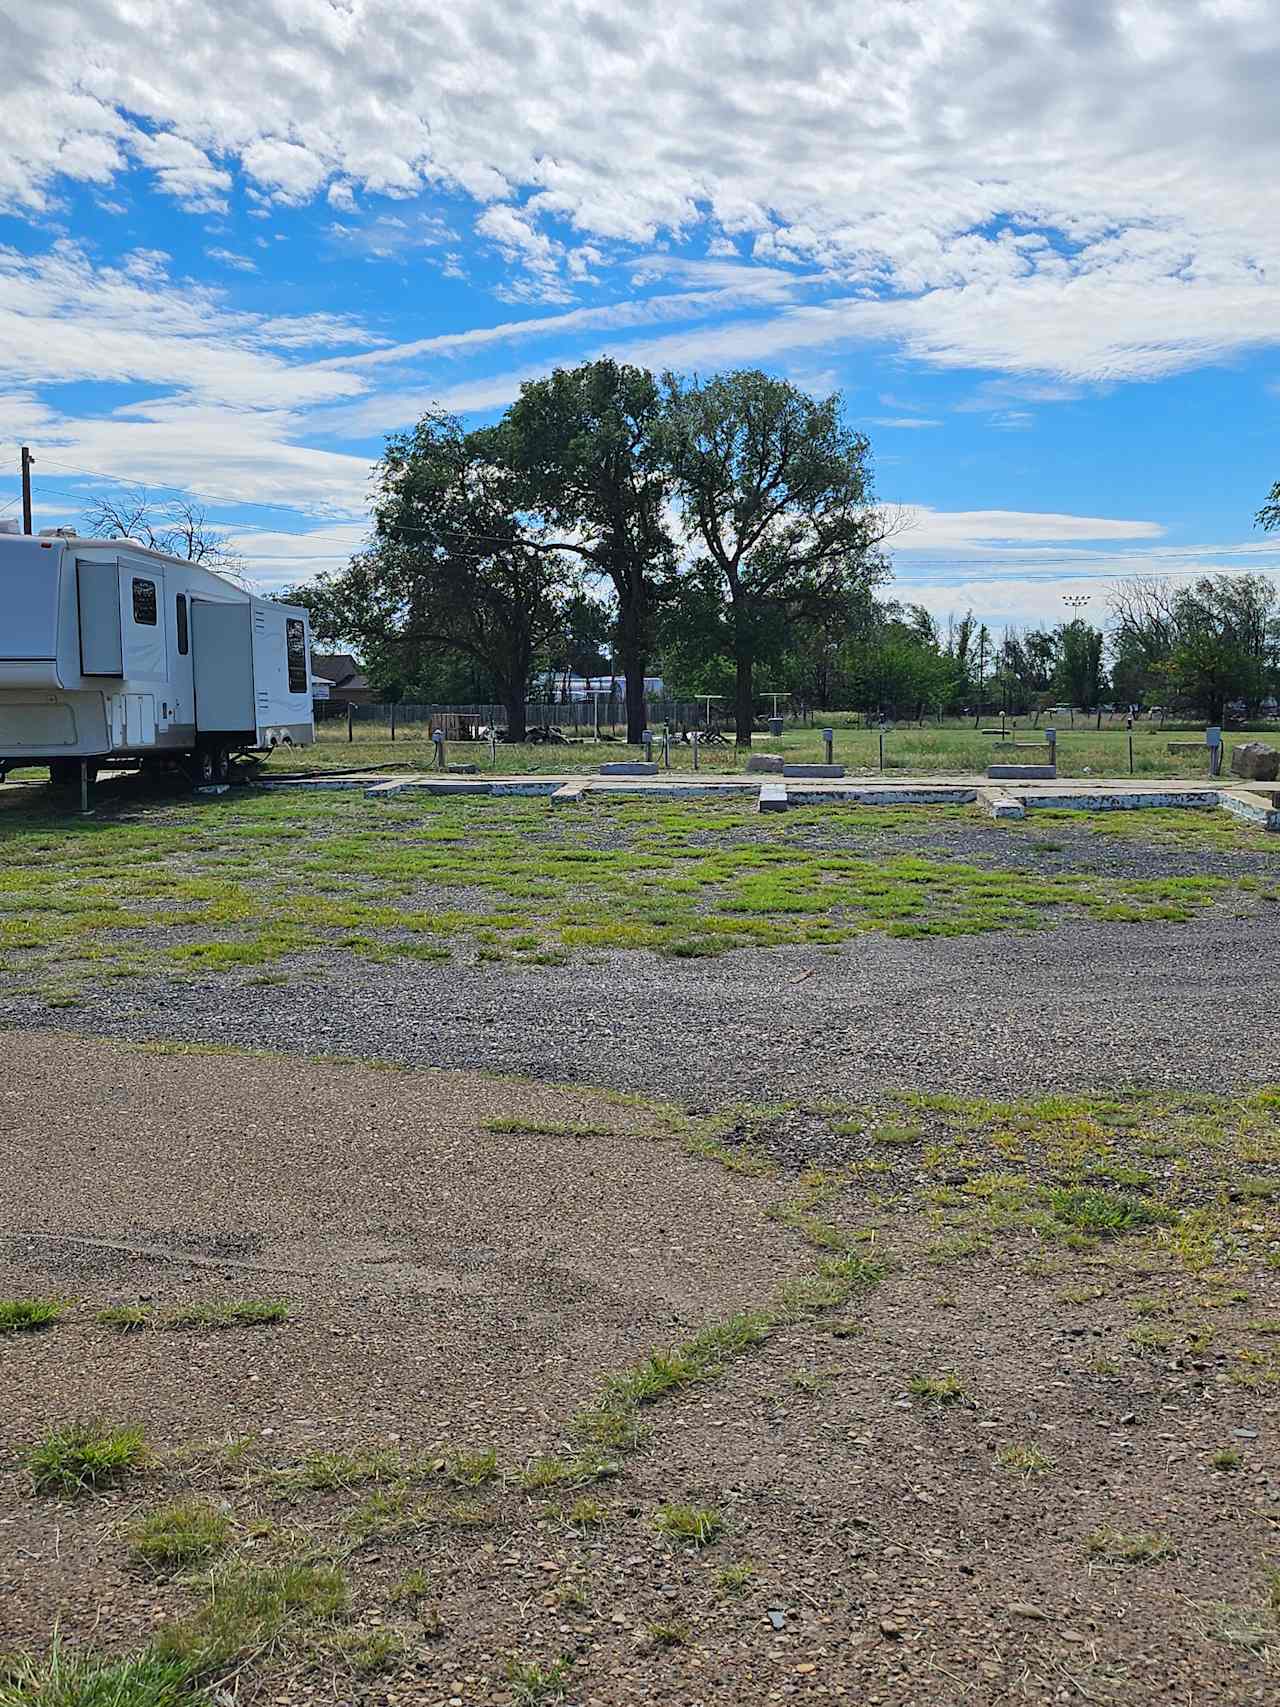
pixel 777 502
pixel 1227 644
pixel 458 564
pixel 589 444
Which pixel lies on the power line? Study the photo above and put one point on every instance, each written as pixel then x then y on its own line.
pixel 241 501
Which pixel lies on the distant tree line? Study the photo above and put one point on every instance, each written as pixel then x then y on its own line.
pixel 724 534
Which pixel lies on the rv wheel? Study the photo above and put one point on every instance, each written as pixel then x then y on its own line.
pixel 221 763
pixel 203 767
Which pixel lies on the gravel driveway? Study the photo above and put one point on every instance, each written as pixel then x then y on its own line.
pixel 1083 1005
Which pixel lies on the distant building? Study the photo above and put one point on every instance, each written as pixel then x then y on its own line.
pixel 346 680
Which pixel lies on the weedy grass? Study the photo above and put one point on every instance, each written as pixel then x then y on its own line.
pixel 83 1456
pixel 242 1313
pixel 29 1315
pixel 65 1678
pixel 185 1533
pixel 251 1610
pixel 533 1682
pixel 363 878
pixel 126 1318
pixel 937 1389
pixel 1023 1460
pixel 693 1526
pixel 1115 1547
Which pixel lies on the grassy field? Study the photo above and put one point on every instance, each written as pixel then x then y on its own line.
pixel 908 749
pixel 245 882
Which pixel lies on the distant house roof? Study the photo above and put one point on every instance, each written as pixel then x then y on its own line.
pixel 343 672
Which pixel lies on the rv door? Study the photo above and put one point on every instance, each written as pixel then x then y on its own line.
pixel 222 660
pixel 98 592
pixel 29 571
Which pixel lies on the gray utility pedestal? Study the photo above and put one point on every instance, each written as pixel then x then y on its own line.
pixel 813 770
pixel 1022 773
pixel 629 770
pixel 773 797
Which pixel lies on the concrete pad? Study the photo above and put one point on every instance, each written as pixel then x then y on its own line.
pixel 813 770
pixel 1022 773
pixel 629 769
pixel 1116 797
pixel 1001 805
pixel 773 797
pixel 570 795
pixel 1253 807
pixel 765 764
pixel 381 788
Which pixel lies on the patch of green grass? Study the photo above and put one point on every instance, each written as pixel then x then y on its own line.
pixel 367 1653
pixel 1227 1459
pixel 252 1610
pixel 533 1682
pixel 472 1469
pixel 544 1474
pixel 184 1533
pixel 125 1318
pixel 68 1679
pixel 28 1315
pixel 1022 1459
pixel 736 1579
pixel 586 1513
pixel 83 1456
pixel 325 1472
pixel 1106 1213
pixel 242 1313
pixel 1115 1547
pixel 666 1635
pixel 937 1389
pixel 694 1526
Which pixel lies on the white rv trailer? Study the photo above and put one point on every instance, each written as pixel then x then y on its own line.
pixel 112 653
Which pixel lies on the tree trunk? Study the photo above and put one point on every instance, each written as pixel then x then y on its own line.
pixel 631 654
pixel 516 729
pixel 743 697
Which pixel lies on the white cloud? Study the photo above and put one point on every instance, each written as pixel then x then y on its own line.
pixel 929 529
pixel 229 258
pixel 1082 189
pixel 910 422
pixel 183 171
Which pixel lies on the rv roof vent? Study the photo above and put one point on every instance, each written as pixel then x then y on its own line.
pixel 58 533
pixel 8 525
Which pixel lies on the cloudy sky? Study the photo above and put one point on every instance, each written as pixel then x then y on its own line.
pixel 1036 247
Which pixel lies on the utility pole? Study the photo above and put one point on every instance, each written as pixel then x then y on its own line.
pixel 27 460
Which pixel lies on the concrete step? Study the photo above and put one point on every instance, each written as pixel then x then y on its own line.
pixel 773 797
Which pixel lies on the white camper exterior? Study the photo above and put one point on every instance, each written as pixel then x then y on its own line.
pixel 113 653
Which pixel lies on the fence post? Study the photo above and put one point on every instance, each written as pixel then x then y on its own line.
pixel 1131 752
pixel 393 720
pixel 882 749
pixel 350 714
pixel 693 742
pixel 1051 736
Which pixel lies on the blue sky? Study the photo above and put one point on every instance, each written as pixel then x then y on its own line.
pixel 1037 252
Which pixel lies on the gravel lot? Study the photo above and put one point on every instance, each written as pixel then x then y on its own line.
pixel 451 1283
pixel 1084 1005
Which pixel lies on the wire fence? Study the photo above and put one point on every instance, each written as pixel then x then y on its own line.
pixel 467 722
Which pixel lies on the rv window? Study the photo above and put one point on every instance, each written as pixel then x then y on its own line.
pixel 295 633
pixel 144 603
pixel 182 624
